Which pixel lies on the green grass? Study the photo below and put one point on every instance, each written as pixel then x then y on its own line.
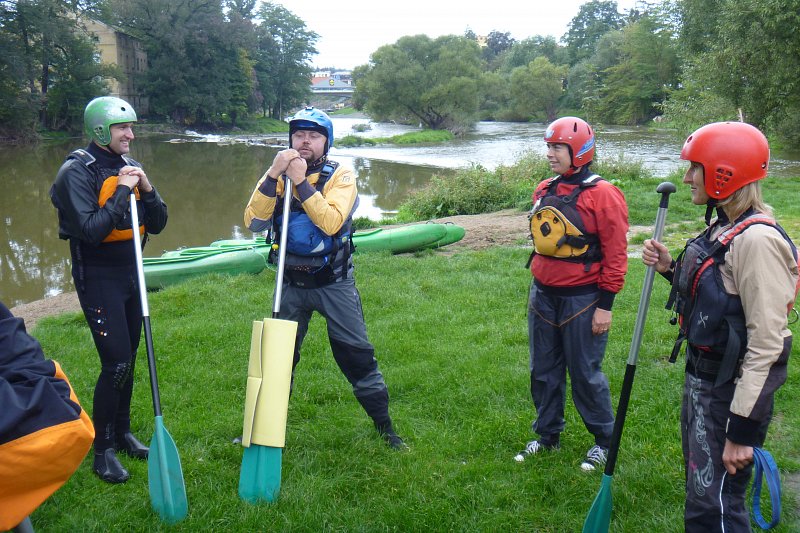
pixel 451 338
pixel 414 137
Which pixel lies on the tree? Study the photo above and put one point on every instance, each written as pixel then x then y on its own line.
pixel 594 19
pixel 634 88
pixel 419 80
pixel 43 41
pixel 282 66
pixel 740 58
pixel 497 43
pixel 523 52
pixel 536 89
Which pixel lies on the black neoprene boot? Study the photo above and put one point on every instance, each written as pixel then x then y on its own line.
pixel 130 445
pixel 392 439
pixel 108 467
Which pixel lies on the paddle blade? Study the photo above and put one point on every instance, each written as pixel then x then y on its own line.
pixel 165 477
pixel 599 517
pixel 260 478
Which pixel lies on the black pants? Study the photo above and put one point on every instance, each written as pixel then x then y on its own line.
pixel 109 297
pixel 340 304
pixel 715 500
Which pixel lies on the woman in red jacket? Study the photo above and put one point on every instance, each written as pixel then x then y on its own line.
pixel 579 224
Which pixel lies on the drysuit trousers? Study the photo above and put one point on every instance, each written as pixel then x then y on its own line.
pixel 561 340
pixel 715 500
pixel 340 304
pixel 109 298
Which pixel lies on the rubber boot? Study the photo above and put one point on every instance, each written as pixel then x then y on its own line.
pixel 108 467
pixel 130 445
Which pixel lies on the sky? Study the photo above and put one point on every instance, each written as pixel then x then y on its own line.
pixel 350 30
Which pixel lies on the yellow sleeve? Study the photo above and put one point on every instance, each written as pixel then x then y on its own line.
pixel 258 213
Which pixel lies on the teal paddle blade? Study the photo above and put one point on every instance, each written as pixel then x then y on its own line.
pixel 260 478
pixel 599 517
pixel 165 477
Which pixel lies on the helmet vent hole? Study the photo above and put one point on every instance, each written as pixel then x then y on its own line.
pixel 575 127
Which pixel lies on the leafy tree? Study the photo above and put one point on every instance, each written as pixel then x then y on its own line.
pixel 76 77
pixel 523 52
pixel 497 43
pixel 43 42
pixel 754 60
pixel 17 109
pixel 494 97
pixel 740 59
pixel 594 19
pixel 698 27
pixel 536 89
pixel 583 87
pixel 282 66
pixel 635 86
pixel 433 82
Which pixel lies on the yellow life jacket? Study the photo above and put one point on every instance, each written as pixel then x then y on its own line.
pixel 557 228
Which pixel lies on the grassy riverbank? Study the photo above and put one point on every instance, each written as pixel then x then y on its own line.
pixel 450 335
pixel 451 338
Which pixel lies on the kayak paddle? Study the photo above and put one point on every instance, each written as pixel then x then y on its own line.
pixel 165 477
pixel 599 517
pixel 268 383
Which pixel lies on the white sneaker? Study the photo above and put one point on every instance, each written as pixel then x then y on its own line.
pixel 532 448
pixel 595 458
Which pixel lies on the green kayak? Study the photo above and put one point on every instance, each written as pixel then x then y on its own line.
pixel 454 234
pixel 402 239
pixel 161 272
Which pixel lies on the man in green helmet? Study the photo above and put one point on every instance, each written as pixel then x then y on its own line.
pixel 91 194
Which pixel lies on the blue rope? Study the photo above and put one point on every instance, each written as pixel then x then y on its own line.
pixel 765 467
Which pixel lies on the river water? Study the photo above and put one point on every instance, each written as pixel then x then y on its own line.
pixel 207 180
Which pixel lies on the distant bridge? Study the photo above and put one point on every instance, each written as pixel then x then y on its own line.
pixel 333 91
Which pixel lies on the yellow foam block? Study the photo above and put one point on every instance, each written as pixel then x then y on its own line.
pixel 269 378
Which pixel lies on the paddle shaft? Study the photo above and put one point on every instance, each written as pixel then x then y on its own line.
pixel 148 333
pixel 287 204
pixel 665 189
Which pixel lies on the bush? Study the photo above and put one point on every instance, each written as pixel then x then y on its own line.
pixel 477 190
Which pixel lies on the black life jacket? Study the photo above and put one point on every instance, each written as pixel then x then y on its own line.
pixel 557 228
pixel 711 320
pixel 309 250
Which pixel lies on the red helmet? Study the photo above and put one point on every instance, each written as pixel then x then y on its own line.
pixel 733 154
pixel 575 133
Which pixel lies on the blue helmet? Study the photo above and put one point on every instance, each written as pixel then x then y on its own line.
pixel 312 119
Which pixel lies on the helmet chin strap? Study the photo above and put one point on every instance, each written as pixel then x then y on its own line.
pixel 710 208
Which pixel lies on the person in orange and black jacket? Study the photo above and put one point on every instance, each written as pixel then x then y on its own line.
pixel 579 224
pixel 732 289
pixel 44 432
pixel 91 194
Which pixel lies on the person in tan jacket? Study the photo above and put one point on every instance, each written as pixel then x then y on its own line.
pixel 732 288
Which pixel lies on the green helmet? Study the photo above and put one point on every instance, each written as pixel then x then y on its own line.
pixel 101 113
